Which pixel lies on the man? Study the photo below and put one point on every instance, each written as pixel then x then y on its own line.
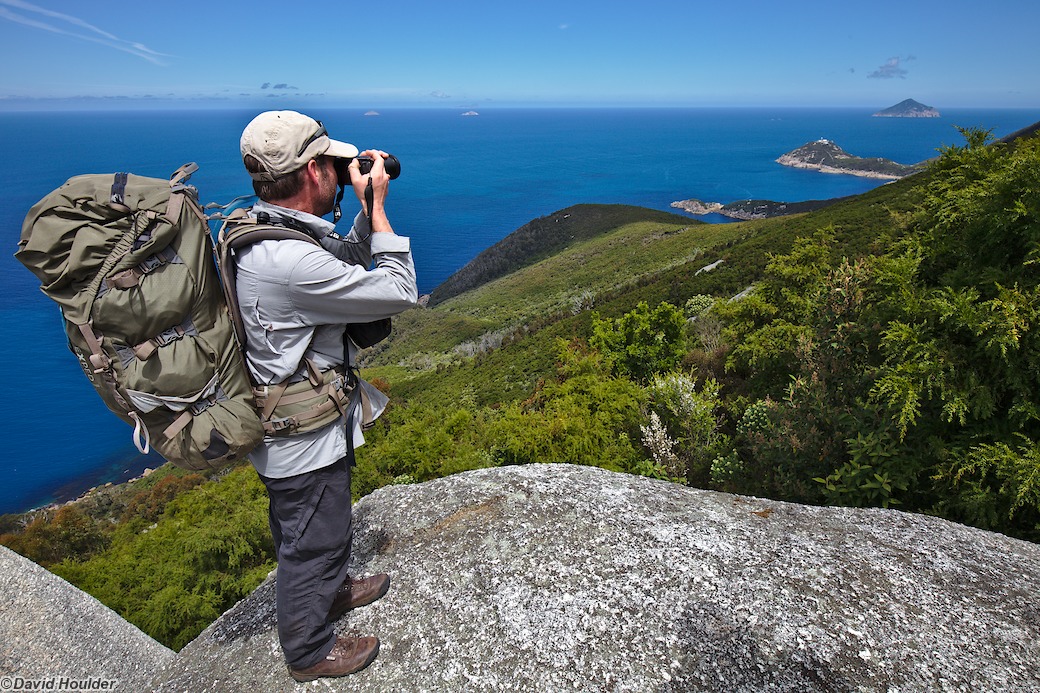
pixel 296 300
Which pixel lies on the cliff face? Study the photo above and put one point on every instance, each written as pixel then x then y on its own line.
pixel 555 577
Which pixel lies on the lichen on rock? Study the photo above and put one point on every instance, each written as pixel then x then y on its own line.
pixel 556 577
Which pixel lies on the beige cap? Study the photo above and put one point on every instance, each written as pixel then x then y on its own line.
pixel 283 141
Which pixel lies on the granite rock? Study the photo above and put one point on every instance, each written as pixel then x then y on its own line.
pixel 51 631
pixel 556 577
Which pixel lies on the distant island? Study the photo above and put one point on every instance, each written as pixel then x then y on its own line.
pixel 371 113
pixel 827 157
pixel 908 109
pixel 470 113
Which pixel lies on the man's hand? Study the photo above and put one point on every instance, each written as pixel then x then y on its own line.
pixel 379 182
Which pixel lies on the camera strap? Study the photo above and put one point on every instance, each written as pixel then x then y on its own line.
pixel 337 213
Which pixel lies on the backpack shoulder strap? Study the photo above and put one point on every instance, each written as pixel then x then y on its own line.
pixel 239 231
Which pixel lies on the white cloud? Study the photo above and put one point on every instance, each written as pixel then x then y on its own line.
pixel 88 32
pixel 891 69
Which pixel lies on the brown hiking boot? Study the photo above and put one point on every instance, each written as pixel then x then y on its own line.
pixel 355 593
pixel 349 655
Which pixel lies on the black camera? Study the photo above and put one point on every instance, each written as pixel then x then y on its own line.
pixel 392 165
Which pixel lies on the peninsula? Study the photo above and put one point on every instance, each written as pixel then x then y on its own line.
pixel 908 109
pixel 744 210
pixel 827 157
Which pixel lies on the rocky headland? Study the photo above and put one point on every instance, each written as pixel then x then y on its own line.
pixel 744 210
pixel 827 157
pixel 908 108
pixel 556 577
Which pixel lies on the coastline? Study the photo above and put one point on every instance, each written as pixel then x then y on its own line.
pixel 119 471
pixel 794 162
pixel 748 210
pixel 713 154
pixel 148 471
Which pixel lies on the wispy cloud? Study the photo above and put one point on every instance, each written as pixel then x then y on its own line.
pixel 67 25
pixel 892 68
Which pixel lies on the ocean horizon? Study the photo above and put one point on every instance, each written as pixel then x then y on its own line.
pixel 466 183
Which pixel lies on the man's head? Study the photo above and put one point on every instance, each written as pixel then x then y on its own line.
pixel 277 145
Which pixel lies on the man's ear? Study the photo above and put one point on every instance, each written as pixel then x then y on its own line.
pixel 314 169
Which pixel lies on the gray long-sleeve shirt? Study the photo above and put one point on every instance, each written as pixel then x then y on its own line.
pixel 296 300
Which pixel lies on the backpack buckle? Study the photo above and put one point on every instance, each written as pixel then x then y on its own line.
pixel 151 263
pixel 279 425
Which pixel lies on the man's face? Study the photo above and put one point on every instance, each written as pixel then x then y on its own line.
pixel 327 183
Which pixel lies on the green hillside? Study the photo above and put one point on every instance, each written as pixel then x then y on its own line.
pixel 884 357
pixel 882 351
pixel 542 238
pixel 634 255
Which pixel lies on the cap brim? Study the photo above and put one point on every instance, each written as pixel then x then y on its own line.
pixel 341 150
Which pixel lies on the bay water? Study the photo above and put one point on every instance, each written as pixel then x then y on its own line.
pixel 466 182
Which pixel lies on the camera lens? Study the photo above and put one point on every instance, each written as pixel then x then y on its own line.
pixel 392 165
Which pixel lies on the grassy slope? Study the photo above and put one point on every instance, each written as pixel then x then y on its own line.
pixel 543 238
pixel 647 256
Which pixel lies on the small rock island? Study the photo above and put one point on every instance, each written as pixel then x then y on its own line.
pixel 908 109
pixel 827 157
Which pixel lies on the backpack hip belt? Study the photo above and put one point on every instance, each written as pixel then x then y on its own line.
pixel 313 403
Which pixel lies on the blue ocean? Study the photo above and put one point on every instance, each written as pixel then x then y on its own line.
pixel 466 182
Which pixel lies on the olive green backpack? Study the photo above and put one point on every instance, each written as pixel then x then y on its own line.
pixel 129 260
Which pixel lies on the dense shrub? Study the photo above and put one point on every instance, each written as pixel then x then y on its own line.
pixel 643 341
pixel 684 434
pixel 909 377
pixel 55 535
pixel 583 416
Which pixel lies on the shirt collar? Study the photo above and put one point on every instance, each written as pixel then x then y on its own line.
pixel 317 226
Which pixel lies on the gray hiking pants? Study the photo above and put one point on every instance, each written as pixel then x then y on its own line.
pixel 310 520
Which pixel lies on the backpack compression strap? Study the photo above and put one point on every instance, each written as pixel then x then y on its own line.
pixel 143 221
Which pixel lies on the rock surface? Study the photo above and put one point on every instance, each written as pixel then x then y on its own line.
pixel 50 630
pixel 554 577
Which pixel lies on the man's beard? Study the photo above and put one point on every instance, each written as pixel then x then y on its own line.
pixel 328 191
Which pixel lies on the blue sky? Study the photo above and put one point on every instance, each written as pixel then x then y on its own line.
pixel 474 54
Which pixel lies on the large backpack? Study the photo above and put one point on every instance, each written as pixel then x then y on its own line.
pixel 129 260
